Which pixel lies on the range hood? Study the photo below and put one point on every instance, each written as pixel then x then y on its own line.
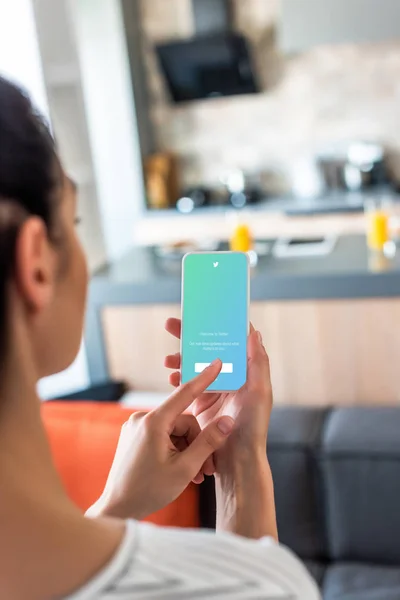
pixel 304 24
pixel 212 16
pixel 216 62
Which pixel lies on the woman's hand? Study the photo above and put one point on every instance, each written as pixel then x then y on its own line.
pixel 160 452
pixel 250 407
pixel 244 487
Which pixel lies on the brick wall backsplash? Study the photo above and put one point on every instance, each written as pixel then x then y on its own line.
pixel 325 95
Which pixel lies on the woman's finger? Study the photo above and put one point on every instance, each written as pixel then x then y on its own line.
pixel 173 326
pixel 256 349
pixel 258 371
pixel 198 479
pixel 186 426
pixel 181 399
pixel 207 442
pixel 209 466
pixel 173 361
pixel 204 402
pixel 175 379
pixel 180 443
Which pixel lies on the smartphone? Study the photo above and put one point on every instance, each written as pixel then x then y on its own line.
pixel 215 317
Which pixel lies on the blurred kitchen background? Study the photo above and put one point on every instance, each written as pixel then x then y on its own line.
pixel 270 126
pixel 327 77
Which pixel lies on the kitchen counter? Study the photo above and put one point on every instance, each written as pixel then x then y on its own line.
pixel 329 323
pixel 348 272
pixel 336 201
pixel 337 213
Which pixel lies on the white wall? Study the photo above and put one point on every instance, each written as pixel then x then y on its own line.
pixel 110 112
pixel 20 61
pixel 64 92
pixel 19 51
pixel 309 23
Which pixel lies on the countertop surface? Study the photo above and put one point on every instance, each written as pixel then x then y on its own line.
pixel 350 271
pixel 333 202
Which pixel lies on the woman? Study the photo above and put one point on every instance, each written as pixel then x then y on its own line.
pixel 48 549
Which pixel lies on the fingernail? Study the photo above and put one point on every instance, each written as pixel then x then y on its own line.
pixel 225 425
pixel 215 362
pixel 260 337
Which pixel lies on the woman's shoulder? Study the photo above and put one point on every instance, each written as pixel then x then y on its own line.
pixel 203 561
pixel 156 562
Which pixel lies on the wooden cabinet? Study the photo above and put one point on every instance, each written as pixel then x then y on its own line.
pixel 136 344
pixel 321 352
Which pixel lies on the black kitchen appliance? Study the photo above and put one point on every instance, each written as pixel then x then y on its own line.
pixel 207 67
pixel 354 167
pixel 216 62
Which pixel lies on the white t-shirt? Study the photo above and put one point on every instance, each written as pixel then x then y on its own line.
pixel 179 564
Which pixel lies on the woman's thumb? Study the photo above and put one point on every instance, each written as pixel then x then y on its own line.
pixel 207 442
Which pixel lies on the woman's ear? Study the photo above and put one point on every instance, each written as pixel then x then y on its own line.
pixel 35 264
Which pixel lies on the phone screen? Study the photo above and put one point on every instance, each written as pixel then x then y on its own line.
pixel 215 299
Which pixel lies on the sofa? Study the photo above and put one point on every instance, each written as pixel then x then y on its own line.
pixel 337 487
pixel 83 438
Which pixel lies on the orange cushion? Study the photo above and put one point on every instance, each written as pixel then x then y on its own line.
pixel 83 439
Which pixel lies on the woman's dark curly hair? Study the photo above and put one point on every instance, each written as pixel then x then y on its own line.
pixel 30 176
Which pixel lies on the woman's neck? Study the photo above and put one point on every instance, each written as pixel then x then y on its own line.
pixel 24 450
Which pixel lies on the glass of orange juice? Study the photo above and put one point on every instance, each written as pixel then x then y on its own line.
pixel 377 211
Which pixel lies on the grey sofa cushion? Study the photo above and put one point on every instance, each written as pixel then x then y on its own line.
pixel 360 466
pixel 361 582
pixel 294 432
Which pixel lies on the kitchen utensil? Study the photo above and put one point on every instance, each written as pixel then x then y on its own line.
pixel 354 166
